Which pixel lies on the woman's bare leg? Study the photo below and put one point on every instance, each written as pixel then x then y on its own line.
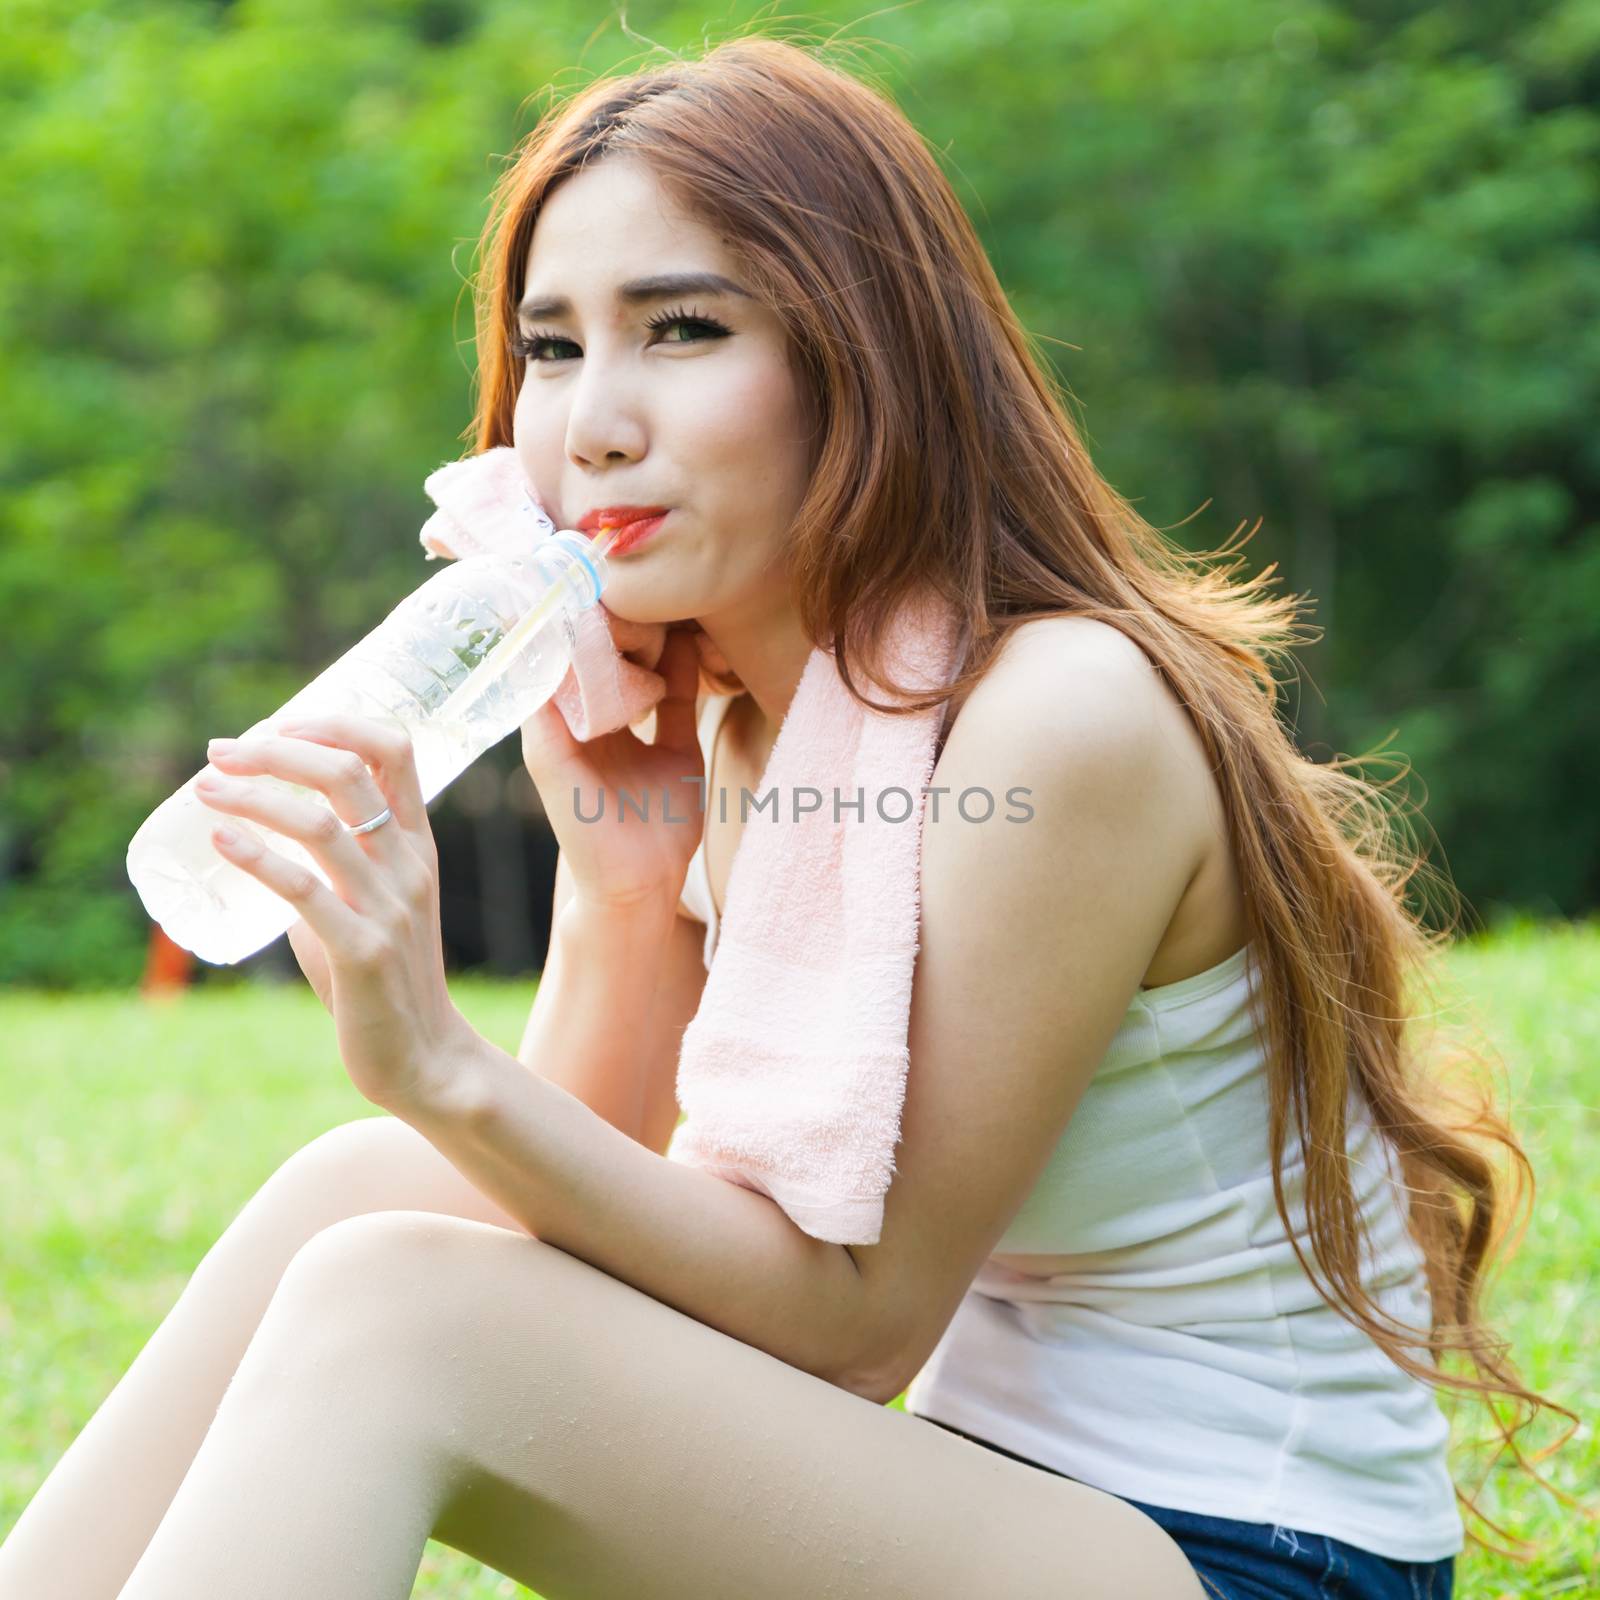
pixel 419 1375
pixel 87 1524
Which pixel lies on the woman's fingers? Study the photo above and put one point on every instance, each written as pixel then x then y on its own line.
pixel 320 830
pixel 368 870
pixel 547 741
pixel 675 711
pixel 385 751
pixel 334 921
pixel 313 959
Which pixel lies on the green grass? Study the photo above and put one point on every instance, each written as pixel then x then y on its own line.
pixel 135 1133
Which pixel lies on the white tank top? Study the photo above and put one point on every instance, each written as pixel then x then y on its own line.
pixel 1143 1325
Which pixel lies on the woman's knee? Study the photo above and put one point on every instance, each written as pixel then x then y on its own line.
pixel 375 1164
pixel 370 1164
pixel 355 1334
pixel 389 1297
pixel 379 1164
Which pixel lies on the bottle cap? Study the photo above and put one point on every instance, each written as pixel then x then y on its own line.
pixel 589 555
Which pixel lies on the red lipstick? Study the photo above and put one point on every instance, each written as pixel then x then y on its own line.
pixel 632 534
pixel 632 524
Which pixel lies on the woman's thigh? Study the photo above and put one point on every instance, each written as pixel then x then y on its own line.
pixel 125 1465
pixel 592 1442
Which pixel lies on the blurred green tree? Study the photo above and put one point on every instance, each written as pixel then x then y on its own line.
pixel 1330 265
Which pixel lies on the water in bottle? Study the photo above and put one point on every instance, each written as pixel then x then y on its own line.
pixel 460 663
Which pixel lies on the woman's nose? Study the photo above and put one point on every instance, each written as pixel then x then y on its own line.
pixel 605 421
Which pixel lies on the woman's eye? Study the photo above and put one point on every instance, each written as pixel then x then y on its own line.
pixel 533 347
pixel 527 346
pixel 704 327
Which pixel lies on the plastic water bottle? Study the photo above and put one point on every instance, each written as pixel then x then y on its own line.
pixel 459 664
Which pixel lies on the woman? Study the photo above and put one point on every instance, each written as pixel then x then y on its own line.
pixel 1147 1245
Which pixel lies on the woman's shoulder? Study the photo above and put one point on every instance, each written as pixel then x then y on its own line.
pixel 1074 699
pixel 1079 706
pixel 1065 660
pixel 1066 634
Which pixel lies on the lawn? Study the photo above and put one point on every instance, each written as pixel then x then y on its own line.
pixel 133 1134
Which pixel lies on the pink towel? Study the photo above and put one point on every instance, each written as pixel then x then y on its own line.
pixel 793 1070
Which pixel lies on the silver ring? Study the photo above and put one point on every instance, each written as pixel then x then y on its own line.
pixel 367 827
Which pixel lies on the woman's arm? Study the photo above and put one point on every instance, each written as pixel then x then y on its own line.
pixel 725 1255
pixel 628 1078
pixel 633 1083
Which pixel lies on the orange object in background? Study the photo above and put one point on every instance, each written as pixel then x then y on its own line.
pixel 167 967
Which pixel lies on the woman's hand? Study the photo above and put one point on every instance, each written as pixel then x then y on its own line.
pixel 313 961
pixel 615 859
pixel 370 946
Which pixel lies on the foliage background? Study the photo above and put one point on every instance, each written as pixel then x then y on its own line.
pixel 1330 265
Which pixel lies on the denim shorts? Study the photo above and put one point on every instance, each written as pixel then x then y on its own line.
pixel 1256 1561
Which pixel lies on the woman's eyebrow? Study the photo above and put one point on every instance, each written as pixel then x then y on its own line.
pixel 660 286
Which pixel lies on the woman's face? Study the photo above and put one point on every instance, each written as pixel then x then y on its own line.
pixel 640 394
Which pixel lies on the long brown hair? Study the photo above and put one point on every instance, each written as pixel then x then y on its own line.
pixel 944 455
